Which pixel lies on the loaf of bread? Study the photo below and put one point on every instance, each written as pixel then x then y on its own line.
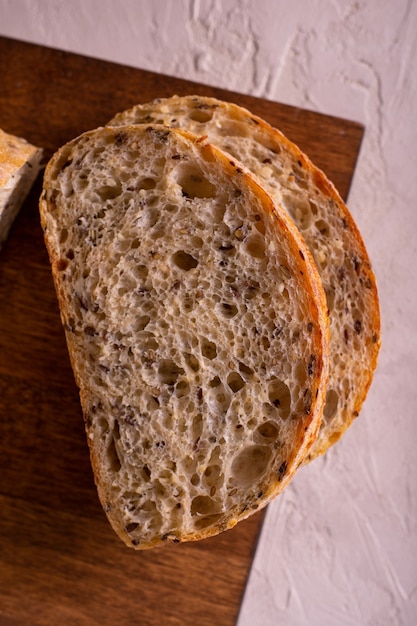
pixel 326 225
pixel 196 324
pixel 20 163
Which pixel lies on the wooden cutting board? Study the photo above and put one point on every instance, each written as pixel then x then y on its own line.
pixel 60 562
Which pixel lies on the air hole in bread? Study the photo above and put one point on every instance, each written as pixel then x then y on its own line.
pixel 228 310
pixel 255 246
pixel 193 182
pixel 197 242
pixel 266 344
pixel 171 208
pixel 208 349
pixel 313 207
pixel 166 474
pixel 109 192
pixel 212 473
pixel 139 271
pixel 141 322
pixel 203 505
pixel 267 432
pixel 112 457
pixel 184 261
pixel 158 488
pixel 191 361
pixel 280 397
pixel 151 403
pixel 149 505
pixel 323 227
pixel 247 371
pixel 130 528
pixel 169 371
pixel 182 388
pixel 201 115
pixel 285 294
pixel 235 381
pixel 330 407
pixel 146 473
pixel 103 426
pixel 147 183
pixel 250 465
pixel 195 480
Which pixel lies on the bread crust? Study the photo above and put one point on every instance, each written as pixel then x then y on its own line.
pixel 20 163
pixel 65 211
pixel 324 221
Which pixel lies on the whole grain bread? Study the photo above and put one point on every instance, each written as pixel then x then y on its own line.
pixel 20 163
pixel 326 225
pixel 196 325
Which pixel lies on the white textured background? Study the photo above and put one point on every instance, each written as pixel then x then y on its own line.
pixel 339 546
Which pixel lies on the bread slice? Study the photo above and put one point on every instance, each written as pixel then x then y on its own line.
pixel 20 163
pixel 196 324
pixel 326 225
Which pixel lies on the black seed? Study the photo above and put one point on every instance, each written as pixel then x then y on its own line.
pixel 281 470
pixel 131 527
pixel 120 138
pixel 310 367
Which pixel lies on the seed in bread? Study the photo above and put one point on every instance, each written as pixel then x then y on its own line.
pixel 196 325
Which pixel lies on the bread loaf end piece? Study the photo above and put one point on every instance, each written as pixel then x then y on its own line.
pixel 20 163
pixel 196 325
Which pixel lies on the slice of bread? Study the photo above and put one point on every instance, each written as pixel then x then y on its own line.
pixel 196 324
pixel 326 225
pixel 20 163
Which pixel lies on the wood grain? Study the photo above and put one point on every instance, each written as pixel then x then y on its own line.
pixel 60 562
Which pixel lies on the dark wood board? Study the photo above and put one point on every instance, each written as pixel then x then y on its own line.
pixel 60 562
